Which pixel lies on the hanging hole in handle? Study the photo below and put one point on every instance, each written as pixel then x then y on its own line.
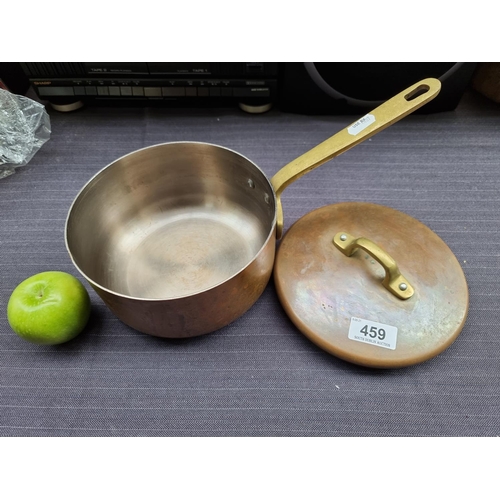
pixel 420 90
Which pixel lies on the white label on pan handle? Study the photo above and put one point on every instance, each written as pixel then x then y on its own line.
pixel 361 124
pixel 371 332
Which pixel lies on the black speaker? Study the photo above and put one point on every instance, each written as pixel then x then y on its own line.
pixel 13 78
pixel 350 88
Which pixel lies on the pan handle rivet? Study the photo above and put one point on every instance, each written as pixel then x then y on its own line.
pixel 343 237
pixel 403 286
pixel 251 183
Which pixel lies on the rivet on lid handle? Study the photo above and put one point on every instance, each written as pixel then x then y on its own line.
pixel 394 281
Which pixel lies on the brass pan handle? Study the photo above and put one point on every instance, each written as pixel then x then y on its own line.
pixel 394 281
pixel 377 120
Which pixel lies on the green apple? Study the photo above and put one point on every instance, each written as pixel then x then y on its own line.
pixel 49 308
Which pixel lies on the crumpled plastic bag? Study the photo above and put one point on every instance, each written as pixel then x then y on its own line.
pixel 24 129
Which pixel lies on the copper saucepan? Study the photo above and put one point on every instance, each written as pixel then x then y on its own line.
pixel 178 239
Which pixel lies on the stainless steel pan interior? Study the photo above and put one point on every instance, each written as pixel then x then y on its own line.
pixel 171 220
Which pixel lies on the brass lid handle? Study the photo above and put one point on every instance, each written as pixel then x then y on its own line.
pixel 394 281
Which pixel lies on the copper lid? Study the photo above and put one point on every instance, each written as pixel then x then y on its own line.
pixel 371 285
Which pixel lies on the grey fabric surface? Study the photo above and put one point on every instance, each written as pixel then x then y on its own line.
pixel 258 376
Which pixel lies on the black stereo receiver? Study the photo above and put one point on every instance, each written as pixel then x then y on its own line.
pixel 67 86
